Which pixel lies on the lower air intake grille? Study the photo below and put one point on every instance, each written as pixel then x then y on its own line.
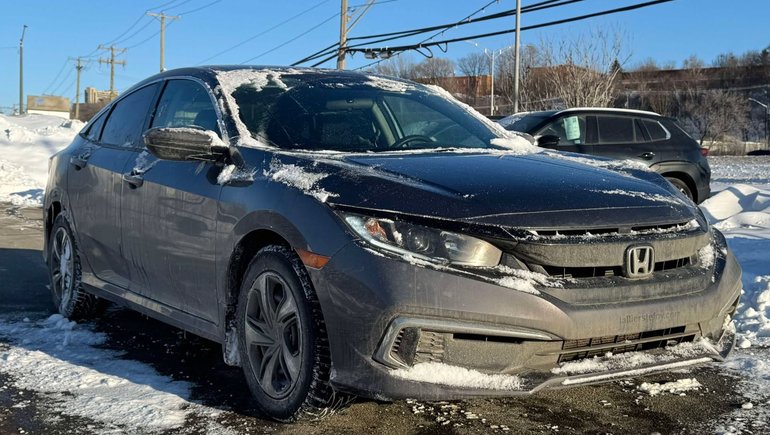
pixel 573 350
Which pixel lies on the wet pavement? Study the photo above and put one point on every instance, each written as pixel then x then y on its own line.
pixel 617 407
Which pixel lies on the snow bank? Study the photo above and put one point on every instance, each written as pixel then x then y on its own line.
pixel 26 143
pixel 453 376
pixel 64 361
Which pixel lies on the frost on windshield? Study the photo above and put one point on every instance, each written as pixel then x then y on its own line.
pixel 230 81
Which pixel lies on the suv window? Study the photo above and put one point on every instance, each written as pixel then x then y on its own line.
pixel 185 103
pixel 94 128
pixel 655 130
pixel 570 129
pixel 124 126
pixel 617 129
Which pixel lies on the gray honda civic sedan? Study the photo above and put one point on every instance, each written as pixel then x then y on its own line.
pixel 348 234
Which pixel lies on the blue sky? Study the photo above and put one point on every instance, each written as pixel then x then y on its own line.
pixel 58 29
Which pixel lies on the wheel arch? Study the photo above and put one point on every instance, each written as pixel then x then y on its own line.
pixel 683 171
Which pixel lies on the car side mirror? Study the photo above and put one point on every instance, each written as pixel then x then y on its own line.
pixel 184 143
pixel 548 141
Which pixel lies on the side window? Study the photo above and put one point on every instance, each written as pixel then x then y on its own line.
pixel 125 125
pixel 615 129
pixel 655 130
pixel 571 130
pixel 185 103
pixel 94 128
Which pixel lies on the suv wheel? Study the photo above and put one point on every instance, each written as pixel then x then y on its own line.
pixel 282 339
pixel 64 269
pixel 681 186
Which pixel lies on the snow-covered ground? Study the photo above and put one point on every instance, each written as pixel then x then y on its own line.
pixel 26 143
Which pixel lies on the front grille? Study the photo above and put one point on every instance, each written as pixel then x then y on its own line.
pixel 593 272
pixel 573 350
pixel 675 227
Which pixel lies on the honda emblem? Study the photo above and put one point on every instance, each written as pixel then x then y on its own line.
pixel 640 261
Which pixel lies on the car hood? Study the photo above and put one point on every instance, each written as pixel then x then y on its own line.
pixel 544 191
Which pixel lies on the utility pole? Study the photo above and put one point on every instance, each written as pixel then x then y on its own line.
pixel 345 28
pixel 343 34
pixel 111 61
pixel 79 67
pixel 517 43
pixel 21 70
pixel 162 18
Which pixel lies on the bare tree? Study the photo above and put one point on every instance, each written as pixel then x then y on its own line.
pixel 433 69
pixel 714 114
pixel 399 66
pixel 473 66
pixel 581 69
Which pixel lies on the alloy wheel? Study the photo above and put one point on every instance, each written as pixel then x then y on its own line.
pixel 272 331
pixel 63 267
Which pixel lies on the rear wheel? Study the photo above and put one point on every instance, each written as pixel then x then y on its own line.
pixel 64 269
pixel 282 338
pixel 681 186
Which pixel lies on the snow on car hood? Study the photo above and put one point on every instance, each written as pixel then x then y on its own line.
pixel 499 188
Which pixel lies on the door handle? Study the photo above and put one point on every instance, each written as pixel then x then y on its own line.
pixel 133 180
pixel 78 162
pixel 647 156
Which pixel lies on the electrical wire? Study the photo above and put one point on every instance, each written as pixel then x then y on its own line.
pixel 63 80
pixel 401 49
pixel 61 70
pixel 547 4
pixel 283 44
pixel 199 8
pixel 251 38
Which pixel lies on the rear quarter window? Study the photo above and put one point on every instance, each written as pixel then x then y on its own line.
pixel 655 130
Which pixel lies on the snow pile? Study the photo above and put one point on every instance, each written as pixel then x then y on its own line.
pixel 26 143
pixel 453 376
pixel 742 212
pixel 299 178
pixel 63 360
pixel 675 387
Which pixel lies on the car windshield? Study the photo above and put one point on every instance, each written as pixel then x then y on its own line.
pixel 356 116
pixel 526 123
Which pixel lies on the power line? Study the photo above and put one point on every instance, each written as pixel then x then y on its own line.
pixel 61 70
pixel 251 38
pixel 401 49
pixel 283 44
pixel 199 8
pixel 63 80
pixel 449 26
pixel 547 4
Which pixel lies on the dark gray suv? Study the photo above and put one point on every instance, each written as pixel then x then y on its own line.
pixel 654 140
pixel 349 234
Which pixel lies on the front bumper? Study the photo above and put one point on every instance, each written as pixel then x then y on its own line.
pixel 369 299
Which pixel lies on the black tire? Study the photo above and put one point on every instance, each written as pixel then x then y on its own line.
pixel 69 297
pixel 284 349
pixel 681 186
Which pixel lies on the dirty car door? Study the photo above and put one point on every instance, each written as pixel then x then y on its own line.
pixel 94 185
pixel 170 215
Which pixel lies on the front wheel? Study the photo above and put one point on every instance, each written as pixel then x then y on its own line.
pixel 64 269
pixel 282 338
pixel 681 186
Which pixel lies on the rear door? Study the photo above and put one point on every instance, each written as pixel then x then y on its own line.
pixel 94 184
pixel 621 136
pixel 169 212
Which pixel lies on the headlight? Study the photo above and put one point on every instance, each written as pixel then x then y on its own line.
pixel 425 243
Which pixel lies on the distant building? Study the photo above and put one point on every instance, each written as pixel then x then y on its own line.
pixel 49 105
pixel 93 102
